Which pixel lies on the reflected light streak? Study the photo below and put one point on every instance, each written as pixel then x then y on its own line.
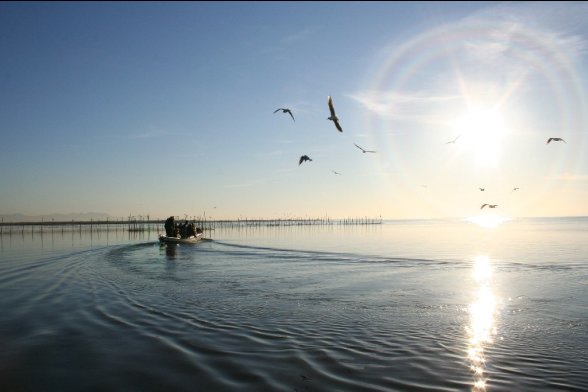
pixel 482 270
pixel 481 329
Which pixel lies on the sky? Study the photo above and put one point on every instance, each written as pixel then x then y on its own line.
pixel 163 108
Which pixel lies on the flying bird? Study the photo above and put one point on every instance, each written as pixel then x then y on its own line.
pixel 454 140
pixel 336 172
pixel 303 159
pixel 555 139
pixel 515 189
pixel 333 116
pixel 285 110
pixel 364 151
pixel 489 205
pixel 482 189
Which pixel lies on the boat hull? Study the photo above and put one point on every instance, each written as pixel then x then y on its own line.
pixel 176 240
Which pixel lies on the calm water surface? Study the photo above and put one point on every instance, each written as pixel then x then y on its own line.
pixel 402 306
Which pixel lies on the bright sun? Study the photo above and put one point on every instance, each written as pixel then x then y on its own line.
pixel 481 132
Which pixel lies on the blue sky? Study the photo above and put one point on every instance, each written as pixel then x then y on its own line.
pixel 167 108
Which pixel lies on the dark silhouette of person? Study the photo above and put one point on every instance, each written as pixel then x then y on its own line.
pixel 183 229
pixel 170 227
pixel 191 230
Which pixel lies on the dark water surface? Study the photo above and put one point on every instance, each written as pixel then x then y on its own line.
pixel 402 306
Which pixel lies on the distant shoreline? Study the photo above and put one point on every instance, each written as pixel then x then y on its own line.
pixel 153 224
pixel 266 221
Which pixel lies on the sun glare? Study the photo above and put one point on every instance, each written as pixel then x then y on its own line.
pixel 481 132
pixel 489 221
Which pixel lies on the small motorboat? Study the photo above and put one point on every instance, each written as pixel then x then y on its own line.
pixel 178 240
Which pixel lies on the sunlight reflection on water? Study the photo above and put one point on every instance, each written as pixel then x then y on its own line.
pixel 482 328
pixel 488 221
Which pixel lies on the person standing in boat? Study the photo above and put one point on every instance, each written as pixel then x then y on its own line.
pixel 191 230
pixel 170 227
pixel 184 229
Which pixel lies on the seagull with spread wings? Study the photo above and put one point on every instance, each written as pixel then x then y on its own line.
pixel 336 172
pixel 333 116
pixel 453 141
pixel 304 158
pixel 285 110
pixel 364 151
pixel 555 139
pixel 489 206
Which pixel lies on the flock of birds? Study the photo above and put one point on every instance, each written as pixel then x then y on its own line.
pixel 333 117
pixel 549 140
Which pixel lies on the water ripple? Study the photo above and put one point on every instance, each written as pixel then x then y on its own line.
pixel 225 316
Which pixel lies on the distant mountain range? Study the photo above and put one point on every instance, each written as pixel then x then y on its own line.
pixel 86 216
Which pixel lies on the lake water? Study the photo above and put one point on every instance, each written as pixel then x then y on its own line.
pixel 441 305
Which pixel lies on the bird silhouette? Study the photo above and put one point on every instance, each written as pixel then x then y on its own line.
pixel 489 205
pixel 303 159
pixel 555 139
pixel 482 189
pixel 336 172
pixel 364 151
pixel 515 189
pixel 285 110
pixel 454 140
pixel 333 116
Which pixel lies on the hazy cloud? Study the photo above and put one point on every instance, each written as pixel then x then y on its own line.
pixel 401 105
pixel 557 24
pixel 272 154
pixel 486 55
pixel 147 134
pixel 246 184
pixel 571 177
pixel 302 35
